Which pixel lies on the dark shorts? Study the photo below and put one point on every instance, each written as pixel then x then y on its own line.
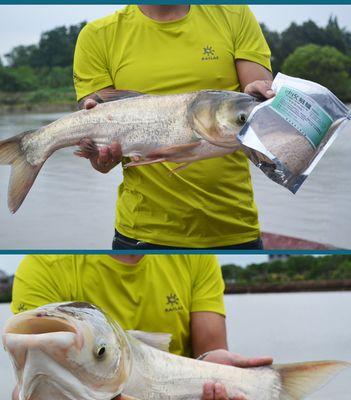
pixel 121 242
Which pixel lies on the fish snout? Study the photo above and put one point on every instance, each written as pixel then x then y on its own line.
pixel 39 331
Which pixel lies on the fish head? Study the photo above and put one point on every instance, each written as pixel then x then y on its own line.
pixel 67 351
pixel 218 116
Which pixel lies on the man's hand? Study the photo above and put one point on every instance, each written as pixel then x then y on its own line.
pixel 102 159
pixel 236 360
pixel 216 391
pixel 260 89
pixel 15 393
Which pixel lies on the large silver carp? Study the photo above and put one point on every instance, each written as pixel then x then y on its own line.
pixel 149 129
pixel 73 351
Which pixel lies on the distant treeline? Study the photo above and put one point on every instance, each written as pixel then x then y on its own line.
pixel 321 54
pixel 41 73
pixel 294 274
pixel 46 64
pixel 311 52
pixel 6 283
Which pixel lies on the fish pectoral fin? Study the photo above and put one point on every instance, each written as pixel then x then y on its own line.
pixel 126 397
pixel 181 167
pixel 158 340
pixel 171 152
pixel 301 379
pixel 143 162
pixel 87 149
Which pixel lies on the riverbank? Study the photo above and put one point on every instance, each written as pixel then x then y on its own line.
pixel 45 100
pixel 290 287
pixel 287 287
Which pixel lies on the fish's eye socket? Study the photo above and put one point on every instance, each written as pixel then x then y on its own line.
pixel 100 352
pixel 241 118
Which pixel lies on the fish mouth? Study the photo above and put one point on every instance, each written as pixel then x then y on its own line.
pixel 38 323
pixel 36 333
pixel 39 330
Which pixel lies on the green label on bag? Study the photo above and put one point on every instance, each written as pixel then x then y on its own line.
pixel 303 113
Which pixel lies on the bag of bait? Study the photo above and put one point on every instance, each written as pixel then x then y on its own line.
pixel 287 135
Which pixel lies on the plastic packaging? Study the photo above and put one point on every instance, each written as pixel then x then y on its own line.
pixel 287 135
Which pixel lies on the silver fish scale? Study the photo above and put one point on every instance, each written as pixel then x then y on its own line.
pixel 141 123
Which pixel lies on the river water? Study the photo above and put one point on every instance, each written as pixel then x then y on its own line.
pixel 71 206
pixel 289 327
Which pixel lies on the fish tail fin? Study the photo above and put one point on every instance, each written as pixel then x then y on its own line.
pixel 301 379
pixel 23 173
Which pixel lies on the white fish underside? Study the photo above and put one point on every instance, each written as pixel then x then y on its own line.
pixel 159 375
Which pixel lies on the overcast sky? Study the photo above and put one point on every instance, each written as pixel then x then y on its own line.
pixel 9 263
pixel 23 24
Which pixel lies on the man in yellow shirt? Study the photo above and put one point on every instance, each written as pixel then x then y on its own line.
pixel 165 50
pixel 178 294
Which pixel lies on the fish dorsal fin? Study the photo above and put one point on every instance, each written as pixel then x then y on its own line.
pixel 300 380
pixel 158 340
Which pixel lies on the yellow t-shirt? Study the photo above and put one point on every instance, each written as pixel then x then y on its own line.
pixel 158 294
pixel 211 202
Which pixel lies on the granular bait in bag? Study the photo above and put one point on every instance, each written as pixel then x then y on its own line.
pixel 286 136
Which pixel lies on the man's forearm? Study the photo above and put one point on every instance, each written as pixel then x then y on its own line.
pixel 208 332
pixel 249 72
pixel 107 94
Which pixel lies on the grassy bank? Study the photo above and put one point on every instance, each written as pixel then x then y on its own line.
pixel 41 100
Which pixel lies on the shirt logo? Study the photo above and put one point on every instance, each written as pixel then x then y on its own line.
pixel 172 303
pixel 209 53
pixel 76 78
pixel 22 307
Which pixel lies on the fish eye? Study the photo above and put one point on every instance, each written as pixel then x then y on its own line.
pixel 241 118
pixel 100 352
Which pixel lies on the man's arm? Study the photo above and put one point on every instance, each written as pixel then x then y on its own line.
pixel 209 342
pixel 254 79
pixel 208 332
pixel 104 95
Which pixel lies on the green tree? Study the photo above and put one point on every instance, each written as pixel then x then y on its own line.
pixel 284 43
pixel 18 79
pixel 22 55
pixel 273 39
pixel 55 49
pixel 323 64
pixel 337 37
pixel 298 35
pixel 56 77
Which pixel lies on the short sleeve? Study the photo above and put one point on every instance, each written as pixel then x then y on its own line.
pixel 36 283
pixel 208 286
pixel 250 43
pixel 90 69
